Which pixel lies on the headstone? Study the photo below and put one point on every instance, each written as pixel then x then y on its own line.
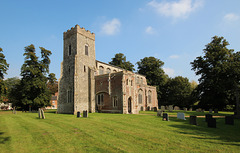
pixel 212 122
pixel 165 117
pixel 207 117
pixel 170 108
pixel 39 113
pixel 176 108
pixel 190 109
pixel 210 110
pixel 216 110
pixel 159 113
pixel 203 110
pixel 14 110
pixel 42 112
pixel 181 116
pixel 85 113
pixel 229 120
pixel 155 109
pixel 193 120
pixel 78 114
pixel 199 110
pixel 185 109
pixel 163 108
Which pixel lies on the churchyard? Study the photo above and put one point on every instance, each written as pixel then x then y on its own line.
pixel 145 132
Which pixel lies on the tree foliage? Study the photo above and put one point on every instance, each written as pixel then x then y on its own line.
pixel 120 61
pixel 218 68
pixel 3 70
pixel 33 85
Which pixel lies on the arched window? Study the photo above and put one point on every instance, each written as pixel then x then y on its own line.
pixel 108 70
pixel 114 71
pixel 101 70
pixel 115 101
pixel 140 92
pixel 127 82
pixel 100 99
pixel 69 50
pixel 86 49
pixel 149 96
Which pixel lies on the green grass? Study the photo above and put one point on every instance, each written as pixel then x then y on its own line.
pixel 24 132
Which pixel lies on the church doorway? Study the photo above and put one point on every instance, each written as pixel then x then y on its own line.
pixel 129 106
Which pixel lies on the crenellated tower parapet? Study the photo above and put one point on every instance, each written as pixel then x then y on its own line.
pixel 79 30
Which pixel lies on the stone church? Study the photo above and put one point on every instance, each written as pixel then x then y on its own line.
pixel 88 84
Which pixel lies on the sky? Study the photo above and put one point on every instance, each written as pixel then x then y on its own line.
pixel 174 31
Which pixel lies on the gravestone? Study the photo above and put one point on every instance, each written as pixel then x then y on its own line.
pixel 78 114
pixel 155 109
pixel 170 108
pixel 42 112
pixel 14 110
pixel 39 113
pixel 85 113
pixel 159 113
pixel 190 109
pixel 185 109
pixel 165 117
pixel 199 110
pixel 193 120
pixel 229 120
pixel 207 117
pixel 181 116
pixel 212 122
pixel 203 110
pixel 176 108
pixel 216 110
pixel 163 108
pixel 210 110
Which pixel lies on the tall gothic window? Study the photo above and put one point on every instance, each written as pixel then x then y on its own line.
pixel 86 49
pixel 115 101
pixel 140 92
pixel 149 97
pixel 100 99
pixel 101 70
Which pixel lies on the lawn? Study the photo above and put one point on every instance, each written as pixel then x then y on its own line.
pixel 24 132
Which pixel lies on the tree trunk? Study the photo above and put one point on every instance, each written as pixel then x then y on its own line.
pixel 237 115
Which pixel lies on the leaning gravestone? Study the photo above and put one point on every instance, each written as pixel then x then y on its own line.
pixel 159 113
pixel 42 112
pixel 210 110
pixel 176 108
pixel 163 108
pixel 78 114
pixel 170 108
pixel 216 110
pixel 181 116
pixel 193 120
pixel 190 109
pixel 229 120
pixel 212 122
pixel 85 113
pixel 165 117
pixel 185 109
pixel 207 117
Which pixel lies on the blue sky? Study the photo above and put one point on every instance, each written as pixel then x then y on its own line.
pixel 174 31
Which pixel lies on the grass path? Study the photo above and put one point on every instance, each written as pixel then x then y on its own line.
pixel 24 132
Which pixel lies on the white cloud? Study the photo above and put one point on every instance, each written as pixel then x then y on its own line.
pixel 230 17
pixel 170 72
pixel 174 56
pixel 149 30
pixel 180 9
pixel 111 27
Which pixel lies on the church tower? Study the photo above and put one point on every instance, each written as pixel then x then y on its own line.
pixel 77 83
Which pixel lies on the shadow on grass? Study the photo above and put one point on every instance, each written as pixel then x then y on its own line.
pixel 3 139
pixel 228 134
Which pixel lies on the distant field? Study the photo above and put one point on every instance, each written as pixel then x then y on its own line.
pixel 24 132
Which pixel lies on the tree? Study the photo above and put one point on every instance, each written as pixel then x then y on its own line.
pixel 11 91
pixel 52 83
pixel 3 70
pixel 214 89
pixel 179 92
pixel 151 67
pixel 33 86
pixel 120 61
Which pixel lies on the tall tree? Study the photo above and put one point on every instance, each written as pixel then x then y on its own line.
pixel 120 61
pixel 11 85
pixel 52 83
pixel 213 68
pixel 3 70
pixel 151 67
pixel 34 91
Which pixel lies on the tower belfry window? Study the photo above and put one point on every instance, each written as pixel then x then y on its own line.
pixel 86 49
pixel 69 50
